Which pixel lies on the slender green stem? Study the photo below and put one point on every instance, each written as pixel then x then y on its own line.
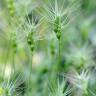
pixel 30 65
pixel 13 62
pixel 8 52
pixel 59 50
pixel 59 55
pixel 30 68
pixel 59 58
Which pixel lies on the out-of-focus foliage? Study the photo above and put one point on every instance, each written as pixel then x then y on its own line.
pixel 47 47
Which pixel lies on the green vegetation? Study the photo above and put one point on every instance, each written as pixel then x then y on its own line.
pixel 47 48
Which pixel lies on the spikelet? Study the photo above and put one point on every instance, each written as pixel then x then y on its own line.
pixel 58 14
pixel 11 7
pixel 13 41
pixel 30 41
pixel 12 87
pixel 61 89
pixel 80 57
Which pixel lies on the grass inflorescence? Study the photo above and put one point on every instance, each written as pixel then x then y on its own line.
pixel 35 39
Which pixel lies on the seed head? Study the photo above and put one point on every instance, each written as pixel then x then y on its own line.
pixel 14 42
pixel 61 89
pixel 58 14
pixel 30 41
pixel 80 57
pixel 11 7
pixel 81 80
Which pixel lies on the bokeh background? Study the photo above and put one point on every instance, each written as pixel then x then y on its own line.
pixel 77 46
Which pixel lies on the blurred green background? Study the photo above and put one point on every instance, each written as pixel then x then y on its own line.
pixel 77 46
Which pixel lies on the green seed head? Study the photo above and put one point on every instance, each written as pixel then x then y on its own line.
pixel 14 42
pixel 11 7
pixel 57 27
pixel 52 48
pixel 30 41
